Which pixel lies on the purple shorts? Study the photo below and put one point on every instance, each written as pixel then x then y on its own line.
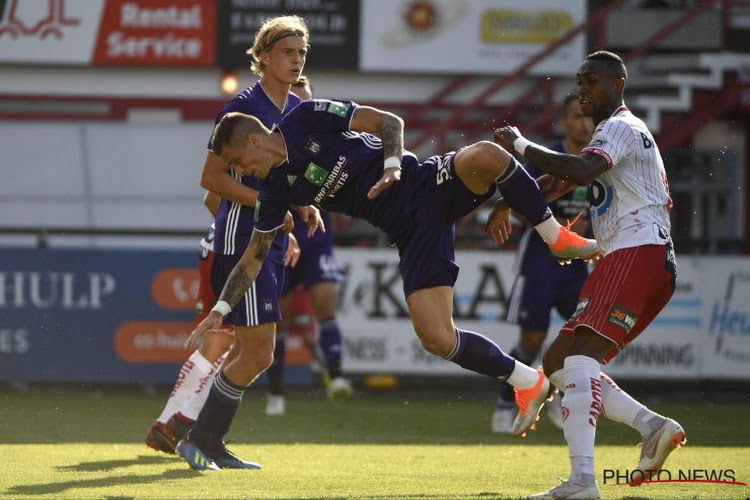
pixel 316 262
pixel 260 304
pixel 427 251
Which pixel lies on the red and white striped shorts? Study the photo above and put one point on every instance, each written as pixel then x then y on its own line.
pixel 624 293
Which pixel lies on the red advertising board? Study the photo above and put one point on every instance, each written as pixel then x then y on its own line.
pixel 157 32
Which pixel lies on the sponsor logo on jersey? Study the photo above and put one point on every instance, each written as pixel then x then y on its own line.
pixel 622 317
pixel 338 108
pixel 334 182
pixel 320 105
pixel 291 178
pixel 315 174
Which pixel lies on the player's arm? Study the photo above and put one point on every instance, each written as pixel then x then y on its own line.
pixel 387 126
pixel 237 284
pixel 390 129
pixel 212 201
pixel 216 178
pixel 580 169
pixel 553 188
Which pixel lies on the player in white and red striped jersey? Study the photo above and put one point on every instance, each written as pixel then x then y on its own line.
pixel 635 279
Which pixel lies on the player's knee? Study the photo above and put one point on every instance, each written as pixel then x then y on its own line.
pixel 552 361
pixel 438 341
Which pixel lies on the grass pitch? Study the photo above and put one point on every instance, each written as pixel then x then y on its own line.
pixel 395 445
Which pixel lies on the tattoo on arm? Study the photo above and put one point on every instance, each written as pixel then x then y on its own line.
pixel 247 269
pixel 263 244
pixel 392 134
pixel 236 286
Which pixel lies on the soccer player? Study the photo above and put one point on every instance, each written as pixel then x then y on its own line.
pixel 318 273
pixel 196 372
pixel 635 279
pixel 542 283
pixel 350 159
pixel 278 52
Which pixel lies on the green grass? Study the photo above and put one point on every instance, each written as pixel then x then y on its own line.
pixel 398 445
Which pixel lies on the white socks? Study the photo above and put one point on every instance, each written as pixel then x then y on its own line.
pixel 548 229
pixel 582 405
pixel 618 405
pixel 195 368
pixel 192 378
pixel 192 408
pixel 523 376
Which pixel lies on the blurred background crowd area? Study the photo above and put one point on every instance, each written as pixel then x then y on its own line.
pixel 107 105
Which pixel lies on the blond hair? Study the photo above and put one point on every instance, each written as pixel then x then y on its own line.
pixel 273 30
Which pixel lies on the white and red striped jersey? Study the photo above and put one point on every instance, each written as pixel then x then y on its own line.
pixel 630 202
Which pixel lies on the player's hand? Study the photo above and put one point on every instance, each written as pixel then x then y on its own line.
pixel 390 176
pixel 210 324
pixel 292 252
pixel 311 216
pixel 498 226
pixel 505 137
pixel 288 226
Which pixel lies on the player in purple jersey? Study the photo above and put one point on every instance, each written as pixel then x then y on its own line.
pixel 542 283
pixel 318 273
pixel 326 153
pixel 279 51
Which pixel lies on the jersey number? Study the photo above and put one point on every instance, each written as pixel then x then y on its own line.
pixel 443 170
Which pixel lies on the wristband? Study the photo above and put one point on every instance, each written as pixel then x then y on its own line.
pixel 222 307
pixel 521 143
pixel 392 161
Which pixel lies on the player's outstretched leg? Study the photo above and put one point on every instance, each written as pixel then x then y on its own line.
pixel 522 194
pixel 478 353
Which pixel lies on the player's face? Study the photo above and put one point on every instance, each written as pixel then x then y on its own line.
pixel 244 159
pixel 577 127
pixel 285 61
pixel 597 89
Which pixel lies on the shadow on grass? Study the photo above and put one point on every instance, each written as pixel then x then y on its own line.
pixel 104 482
pixel 105 465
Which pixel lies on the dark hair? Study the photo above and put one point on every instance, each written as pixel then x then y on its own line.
pixel 612 60
pixel 231 127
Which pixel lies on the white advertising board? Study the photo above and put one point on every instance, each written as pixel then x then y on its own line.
pixel 703 332
pixel 469 36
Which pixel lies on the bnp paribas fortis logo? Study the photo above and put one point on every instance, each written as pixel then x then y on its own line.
pixel 315 174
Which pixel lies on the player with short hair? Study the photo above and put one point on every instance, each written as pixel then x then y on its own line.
pixel 542 284
pixel 317 272
pixel 635 279
pixel 279 52
pixel 348 158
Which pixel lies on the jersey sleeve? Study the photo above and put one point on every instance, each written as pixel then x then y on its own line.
pixel 613 141
pixel 324 115
pixel 270 212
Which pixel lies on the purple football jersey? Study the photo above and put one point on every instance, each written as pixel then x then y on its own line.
pixel 234 222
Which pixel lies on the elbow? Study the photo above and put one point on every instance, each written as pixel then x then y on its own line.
pixel 206 182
